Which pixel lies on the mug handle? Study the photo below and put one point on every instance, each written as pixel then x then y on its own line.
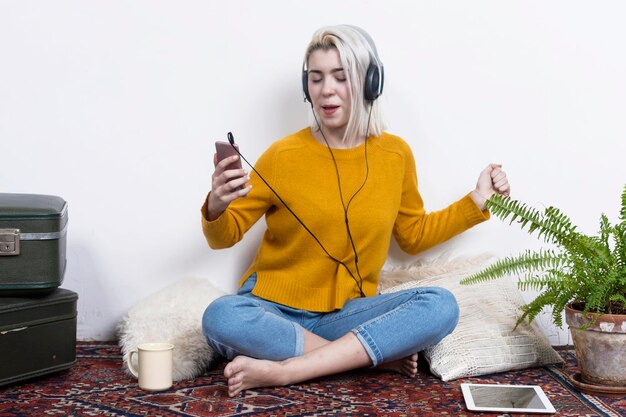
pixel 131 368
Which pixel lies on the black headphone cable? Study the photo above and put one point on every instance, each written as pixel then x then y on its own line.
pixel 231 140
pixel 346 208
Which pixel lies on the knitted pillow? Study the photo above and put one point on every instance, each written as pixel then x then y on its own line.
pixel 484 341
pixel 172 315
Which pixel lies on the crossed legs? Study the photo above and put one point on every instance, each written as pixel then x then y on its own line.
pixel 269 344
pixel 338 356
pixel 321 358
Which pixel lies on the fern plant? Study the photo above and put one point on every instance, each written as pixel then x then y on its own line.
pixel 586 272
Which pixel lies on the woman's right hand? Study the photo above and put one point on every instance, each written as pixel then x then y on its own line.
pixel 227 186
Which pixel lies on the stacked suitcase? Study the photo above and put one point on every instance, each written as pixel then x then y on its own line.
pixel 37 319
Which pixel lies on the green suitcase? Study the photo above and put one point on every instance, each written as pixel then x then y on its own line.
pixel 32 243
pixel 37 335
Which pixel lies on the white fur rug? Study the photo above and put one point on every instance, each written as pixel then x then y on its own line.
pixel 172 315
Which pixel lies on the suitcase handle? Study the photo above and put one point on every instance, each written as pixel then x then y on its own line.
pixel 19 329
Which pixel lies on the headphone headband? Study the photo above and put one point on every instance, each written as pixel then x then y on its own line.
pixel 369 40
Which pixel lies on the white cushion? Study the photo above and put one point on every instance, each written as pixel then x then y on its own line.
pixel 483 341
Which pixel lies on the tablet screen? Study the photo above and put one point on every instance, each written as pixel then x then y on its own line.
pixel 510 398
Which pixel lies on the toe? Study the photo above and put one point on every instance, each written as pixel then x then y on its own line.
pixel 235 380
pixel 232 368
pixel 234 389
pixel 228 370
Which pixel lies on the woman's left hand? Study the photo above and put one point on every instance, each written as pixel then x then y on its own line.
pixel 490 181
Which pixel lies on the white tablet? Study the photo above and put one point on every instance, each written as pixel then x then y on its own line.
pixel 506 398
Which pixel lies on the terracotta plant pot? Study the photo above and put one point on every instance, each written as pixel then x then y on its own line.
pixel 601 348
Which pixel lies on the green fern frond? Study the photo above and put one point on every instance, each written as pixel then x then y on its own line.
pixel 556 226
pixel 592 248
pixel 553 226
pixel 531 310
pixel 605 230
pixel 563 298
pixel 539 282
pixel 502 207
pixel 619 239
pixel 532 282
pixel 526 262
pixel 596 299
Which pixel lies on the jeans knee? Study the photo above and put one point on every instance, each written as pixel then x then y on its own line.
pixel 238 325
pixel 448 310
pixel 217 317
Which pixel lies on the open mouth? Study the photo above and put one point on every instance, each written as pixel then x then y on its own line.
pixel 328 110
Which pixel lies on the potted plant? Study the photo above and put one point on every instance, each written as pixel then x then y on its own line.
pixel 583 275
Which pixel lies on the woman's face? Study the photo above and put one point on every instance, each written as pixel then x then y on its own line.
pixel 329 89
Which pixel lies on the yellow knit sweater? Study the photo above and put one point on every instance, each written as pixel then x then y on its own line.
pixel 291 267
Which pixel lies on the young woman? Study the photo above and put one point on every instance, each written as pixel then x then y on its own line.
pixel 307 305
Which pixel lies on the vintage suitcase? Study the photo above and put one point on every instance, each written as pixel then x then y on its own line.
pixel 37 335
pixel 32 243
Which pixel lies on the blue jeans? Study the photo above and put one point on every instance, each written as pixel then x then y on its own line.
pixel 389 326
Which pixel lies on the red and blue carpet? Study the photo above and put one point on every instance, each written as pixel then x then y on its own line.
pixel 97 386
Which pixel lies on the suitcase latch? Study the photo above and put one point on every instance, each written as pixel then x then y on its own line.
pixel 9 242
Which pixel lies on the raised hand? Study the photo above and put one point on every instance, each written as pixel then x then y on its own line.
pixel 491 180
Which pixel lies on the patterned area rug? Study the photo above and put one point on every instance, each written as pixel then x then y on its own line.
pixel 97 386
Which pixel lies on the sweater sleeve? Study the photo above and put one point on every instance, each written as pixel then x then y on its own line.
pixel 415 230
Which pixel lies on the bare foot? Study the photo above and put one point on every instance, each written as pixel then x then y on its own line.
pixel 244 373
pixel 340 355
pixel 405 366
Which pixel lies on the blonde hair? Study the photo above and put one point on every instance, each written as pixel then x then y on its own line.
pixel 356 52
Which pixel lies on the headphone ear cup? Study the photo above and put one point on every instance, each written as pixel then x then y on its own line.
pixel 373 83
pixel 305 86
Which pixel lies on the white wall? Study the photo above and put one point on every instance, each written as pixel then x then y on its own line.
pixel 115 106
